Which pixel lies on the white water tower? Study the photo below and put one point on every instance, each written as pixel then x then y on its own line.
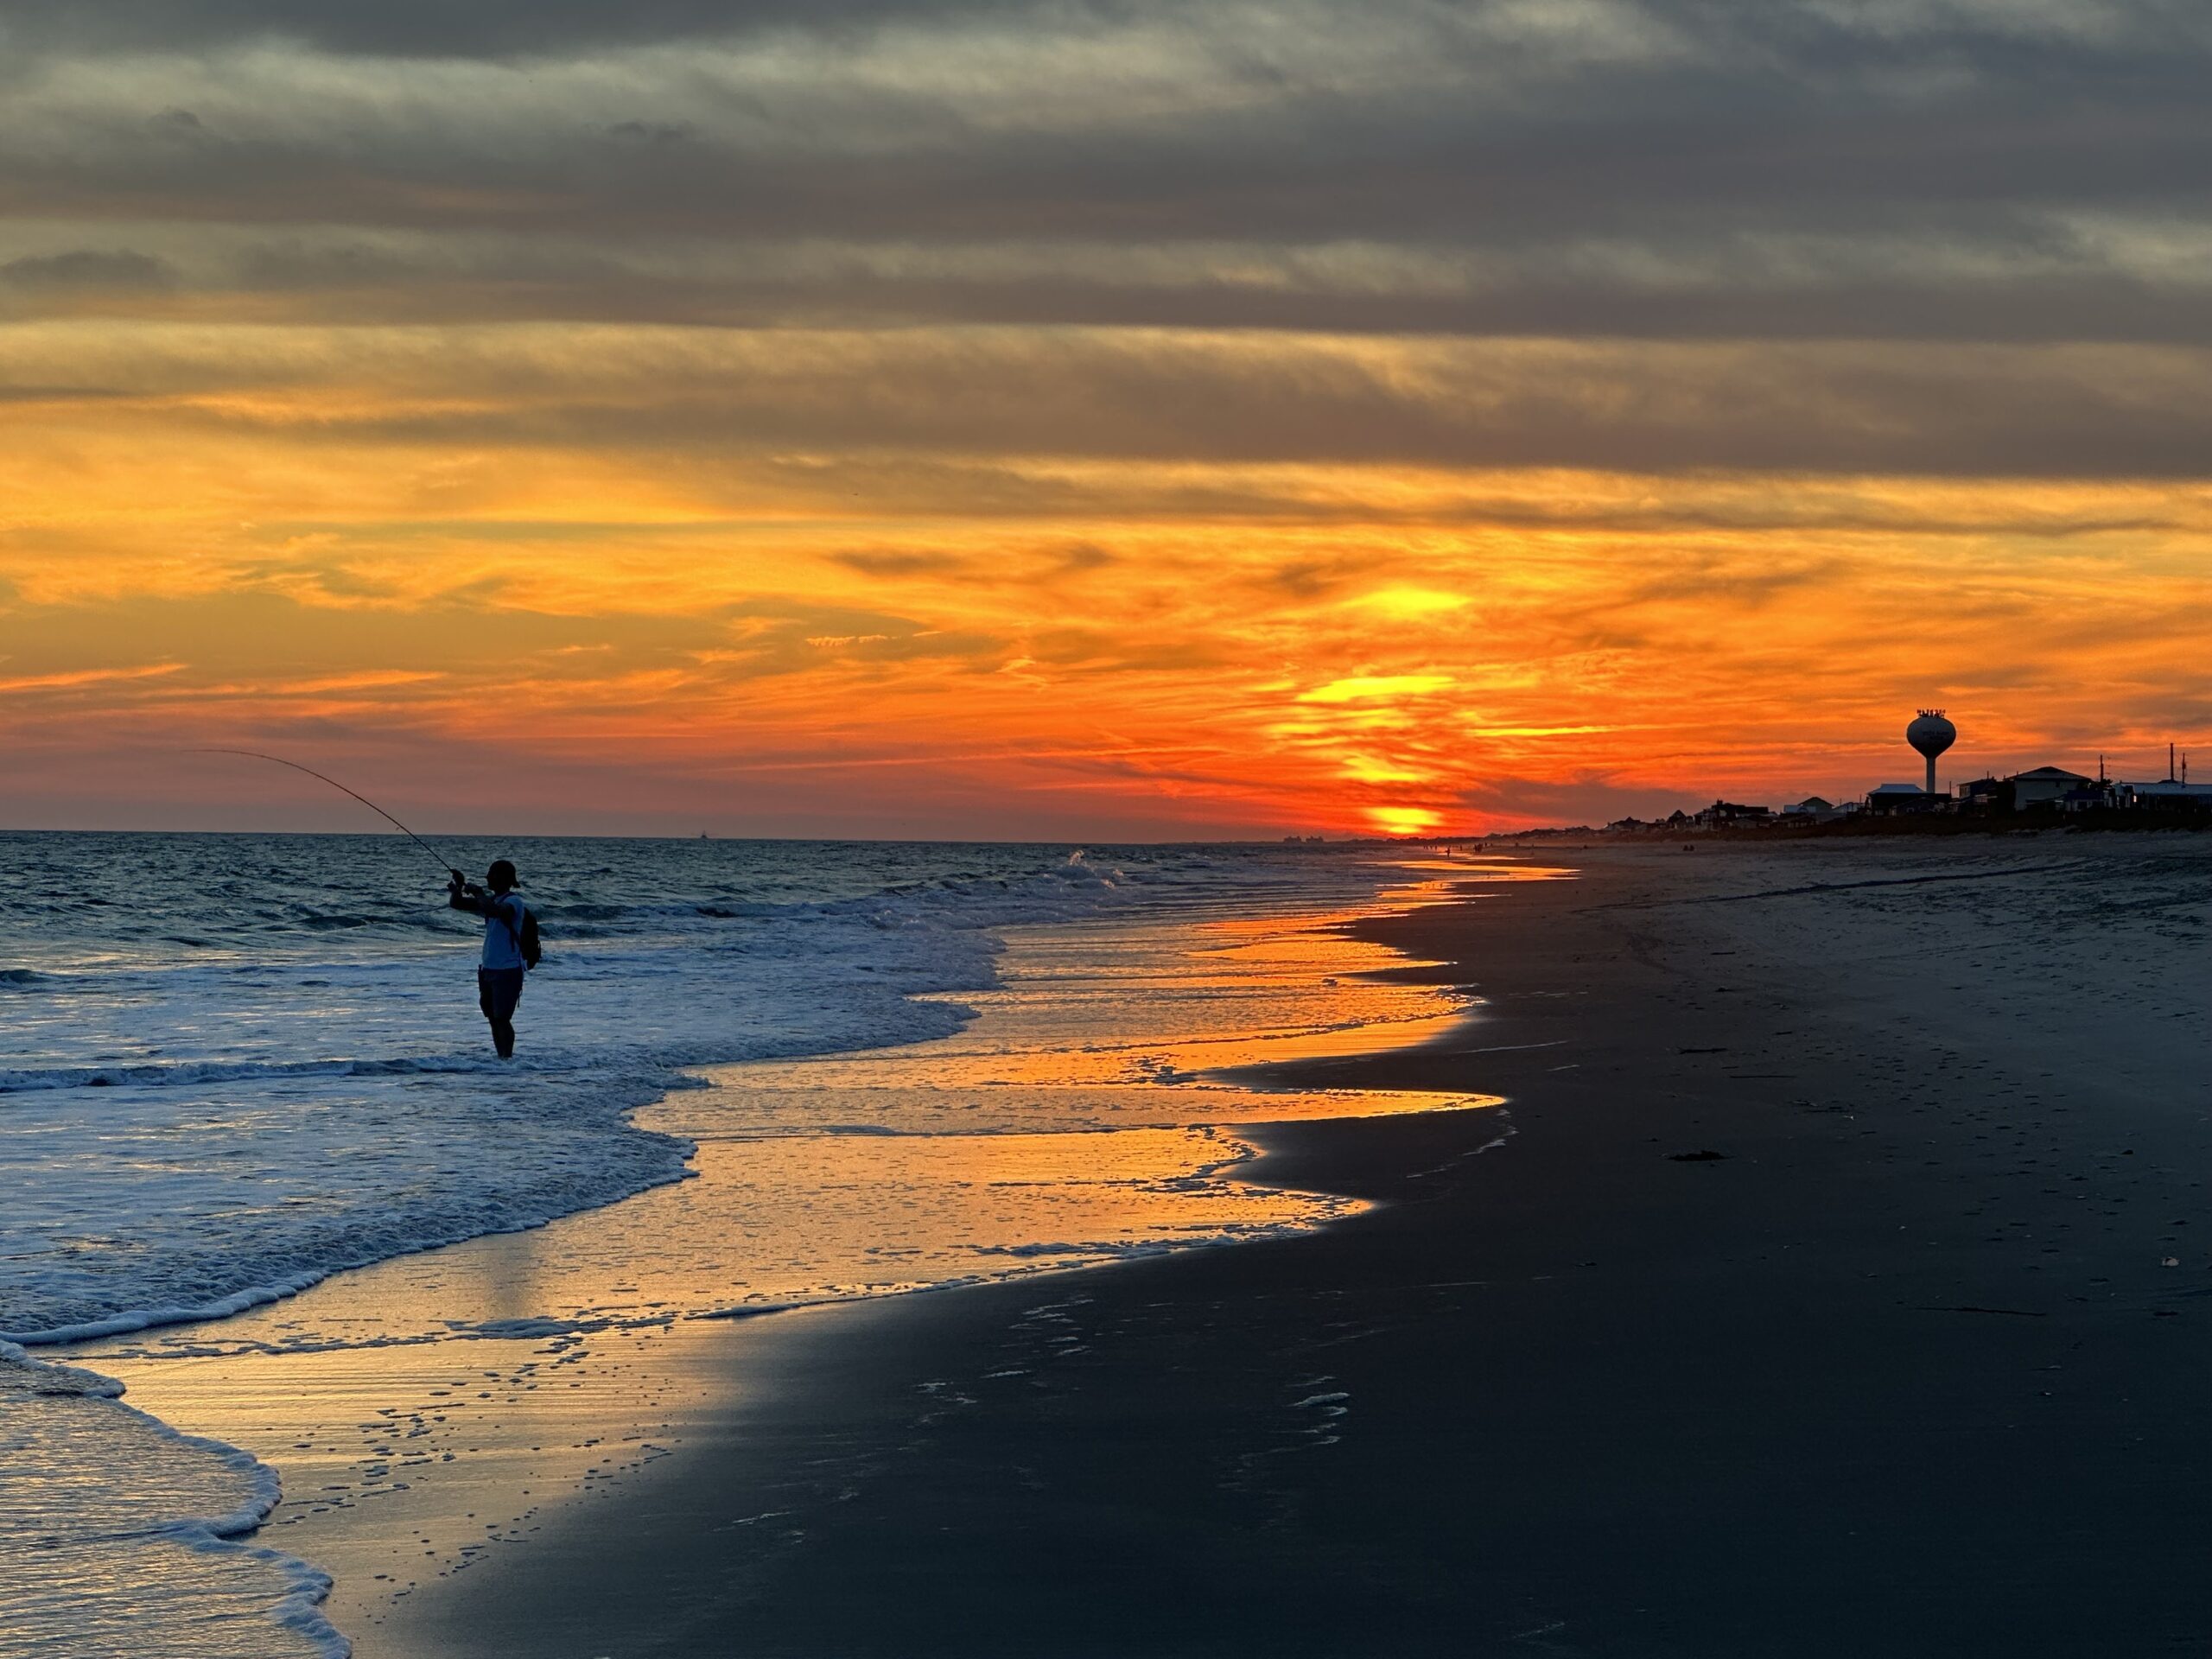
pixel 1931 734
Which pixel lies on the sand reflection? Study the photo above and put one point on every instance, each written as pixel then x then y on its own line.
pixel 426 1411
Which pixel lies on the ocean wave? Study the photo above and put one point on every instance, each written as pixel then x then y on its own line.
pixel 322 1097
pixel 160 1074
pixel 257 1081
pixel 96 1494
pixel 22 1373
pixel 544 1162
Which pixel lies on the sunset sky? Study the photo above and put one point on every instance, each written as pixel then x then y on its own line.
pixel 1093 421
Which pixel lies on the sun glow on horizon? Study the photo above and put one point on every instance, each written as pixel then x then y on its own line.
pixel 1139 667
pixel 1405 820
pixel 930 427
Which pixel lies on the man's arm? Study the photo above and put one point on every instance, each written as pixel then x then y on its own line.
pixel 464 894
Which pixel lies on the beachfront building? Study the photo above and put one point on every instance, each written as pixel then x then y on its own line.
pixel 1991 794
pixel 1814 809
pixel 1676 824
pixel 2171 795
pixel 2095 796
pixel 2043 787
pixel 1733 815
pixel 1890 799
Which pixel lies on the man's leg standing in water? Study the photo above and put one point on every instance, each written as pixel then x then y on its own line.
pixel 498 992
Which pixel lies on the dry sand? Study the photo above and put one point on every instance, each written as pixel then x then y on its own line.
pixel 1916 1364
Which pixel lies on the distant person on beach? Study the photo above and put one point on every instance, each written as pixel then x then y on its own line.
pixel 509 946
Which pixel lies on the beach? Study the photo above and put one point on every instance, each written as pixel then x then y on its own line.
pixel 1837 1291
pixel 1072 829
pixel 1617 1251
pixel 325 1249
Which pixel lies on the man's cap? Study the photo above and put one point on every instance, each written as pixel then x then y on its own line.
pixel 502 873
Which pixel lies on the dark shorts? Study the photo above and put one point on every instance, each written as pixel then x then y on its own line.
pixel 498 991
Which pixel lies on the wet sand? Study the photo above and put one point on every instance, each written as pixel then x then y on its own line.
pixel 1841 1288
pixel 422 1414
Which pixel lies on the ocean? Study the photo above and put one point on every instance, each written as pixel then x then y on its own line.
pixel 232 1066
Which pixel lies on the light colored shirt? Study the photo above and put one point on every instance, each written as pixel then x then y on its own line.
pixel 502 943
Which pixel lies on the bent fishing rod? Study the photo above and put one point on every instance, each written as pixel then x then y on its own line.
pixel 445 866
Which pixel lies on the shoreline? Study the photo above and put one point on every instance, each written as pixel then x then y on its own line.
pixel 307 1372
pixel 1603 1394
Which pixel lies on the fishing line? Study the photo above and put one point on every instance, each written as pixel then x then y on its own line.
pixel 446 866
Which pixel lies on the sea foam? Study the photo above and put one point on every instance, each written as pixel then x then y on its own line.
pixel 232 1066
pixel 200 1128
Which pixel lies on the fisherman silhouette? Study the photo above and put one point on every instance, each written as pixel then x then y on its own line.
pixel 506 924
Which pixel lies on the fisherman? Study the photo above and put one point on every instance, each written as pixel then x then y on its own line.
pixel 507 921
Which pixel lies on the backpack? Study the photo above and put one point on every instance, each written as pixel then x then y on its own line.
pixel 526 935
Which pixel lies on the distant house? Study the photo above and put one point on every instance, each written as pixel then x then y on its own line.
pixel 1986 795
pixel 1903 797
pixel 1816 809
pixel 2168 796
pixel 2044 786
pixel 1732 815
pixel 2091 796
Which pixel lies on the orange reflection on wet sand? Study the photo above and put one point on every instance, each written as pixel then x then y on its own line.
pixel 1117 1025
pixel 429 1410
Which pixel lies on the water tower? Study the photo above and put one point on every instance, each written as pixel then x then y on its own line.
pixel 1931 734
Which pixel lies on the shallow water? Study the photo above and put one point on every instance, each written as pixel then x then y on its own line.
pixel 423 1410
pixel 230 1065
pixel 117 1532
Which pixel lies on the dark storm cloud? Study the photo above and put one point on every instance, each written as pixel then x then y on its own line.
pixel 1167 396
pixel 99 271
pixel 1299 121
pixel 2036 43
pixel 1775 173
pixel 1962 410
pixel 1720 290
pixel 432 28
pixel 1428 169
pixel 1666 170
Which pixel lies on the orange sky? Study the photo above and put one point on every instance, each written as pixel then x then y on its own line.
pixel 932 514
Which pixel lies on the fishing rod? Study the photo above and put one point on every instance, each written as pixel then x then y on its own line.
pixel 445 866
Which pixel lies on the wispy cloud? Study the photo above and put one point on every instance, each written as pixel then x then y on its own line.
pixel 1246 412
pixel 79 679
